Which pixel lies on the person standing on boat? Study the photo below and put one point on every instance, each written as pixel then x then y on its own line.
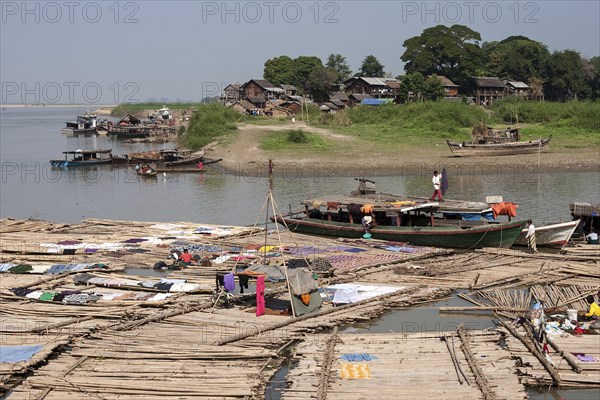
pixel 531 246
pixel 437 186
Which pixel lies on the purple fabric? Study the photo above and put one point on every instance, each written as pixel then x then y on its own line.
pixel 583 358
pixel 355 250
pixel 134 240
pixel 90 250
pixel 339 248
pixel 229 282
pixel 305 251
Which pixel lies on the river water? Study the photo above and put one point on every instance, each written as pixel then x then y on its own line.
pixel 30 137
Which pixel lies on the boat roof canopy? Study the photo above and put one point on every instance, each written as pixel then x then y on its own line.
pixel 88 151
pixel 386 202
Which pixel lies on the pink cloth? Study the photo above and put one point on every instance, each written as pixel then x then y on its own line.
pixel 260 296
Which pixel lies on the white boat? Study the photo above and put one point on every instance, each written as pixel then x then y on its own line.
pixel 85 123
pixel 165 113
pixel 552 235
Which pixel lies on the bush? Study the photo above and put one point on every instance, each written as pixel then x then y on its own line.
pixel 296 136
pixel 210 121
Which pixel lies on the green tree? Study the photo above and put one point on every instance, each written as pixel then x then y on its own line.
pixel 564 77
pixel 371 67
pixel 303 67
pixel 411 87
pixel 280 70
pixel 453 52
pixel 516 57
pixel 433 88
pixel 338 63
pixel 593 76
pixel 320 83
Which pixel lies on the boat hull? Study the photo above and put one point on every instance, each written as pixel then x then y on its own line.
pixel 554 235
pixel 489 235
pixel 65 163
pixel 498 149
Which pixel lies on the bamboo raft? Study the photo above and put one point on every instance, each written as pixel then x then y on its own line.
pixel 207 346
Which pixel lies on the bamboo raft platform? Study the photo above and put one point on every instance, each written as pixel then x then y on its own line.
pixel 94 346
pixel 408 366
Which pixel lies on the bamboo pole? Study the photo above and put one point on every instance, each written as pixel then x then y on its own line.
pixel 326 367
pixel 480 379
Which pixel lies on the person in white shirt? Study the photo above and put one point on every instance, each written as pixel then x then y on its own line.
pixel 592 237
pixel 531 245
pixel 437 186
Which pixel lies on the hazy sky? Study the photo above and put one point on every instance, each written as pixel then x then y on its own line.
pixel 110 52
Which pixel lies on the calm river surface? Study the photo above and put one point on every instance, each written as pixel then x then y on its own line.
pixel 30 137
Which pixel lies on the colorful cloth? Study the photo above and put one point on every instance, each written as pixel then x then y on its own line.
pixel 355 371
pixel 260 296
pixel 505 208
pixel 358 357
pixel 229 282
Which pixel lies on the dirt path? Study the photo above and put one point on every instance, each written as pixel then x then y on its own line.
pixel 352 157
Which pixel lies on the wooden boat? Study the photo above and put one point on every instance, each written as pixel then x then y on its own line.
pixel 84 124
pixel 551 235
pixel 179 158
pixel 146 171
pixel 498 149
pixel 78 158
pixel 417 221
pixel 588 213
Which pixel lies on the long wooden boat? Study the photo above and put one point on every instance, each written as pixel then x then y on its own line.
pixel 552 235
pixel 419 221
pixel 466 149
pixel 78 158
pixel 488 235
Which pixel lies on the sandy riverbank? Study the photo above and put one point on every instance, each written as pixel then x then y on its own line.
pixel 352 157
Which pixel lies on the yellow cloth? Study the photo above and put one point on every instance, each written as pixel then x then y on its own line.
pixel 367 208
pixel 594 310
pixel 403 203
pixel 355 371
pixel 318 203
pixel 266 249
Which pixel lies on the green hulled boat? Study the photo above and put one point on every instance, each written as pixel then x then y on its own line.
pixel 486 235
pixel 415 220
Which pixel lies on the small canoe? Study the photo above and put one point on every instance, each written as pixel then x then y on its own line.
pixel 465 149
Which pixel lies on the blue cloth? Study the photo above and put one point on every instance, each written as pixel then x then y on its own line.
pixel 229 282
pixel 358 357
pixel 489 216
pixel 6 267
pixel 12 354
pixel 355 250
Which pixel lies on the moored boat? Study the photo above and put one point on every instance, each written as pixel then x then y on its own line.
pixel 551 235
pixel 78 158
pixel 418 221
pixel 498 149
pixel 145 170
pixel 84 124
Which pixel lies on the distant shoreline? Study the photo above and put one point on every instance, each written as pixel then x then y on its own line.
pixel 90 106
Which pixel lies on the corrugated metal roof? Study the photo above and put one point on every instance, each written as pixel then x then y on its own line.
pixel 518 84
pixel 373 81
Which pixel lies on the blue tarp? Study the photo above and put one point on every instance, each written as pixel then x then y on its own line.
pixel 12 354
pixel 375 102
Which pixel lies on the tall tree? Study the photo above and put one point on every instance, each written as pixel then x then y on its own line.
pixel 371 67
pixel 564 77
pixel 280 70
pixel 338 63
pixel 320 83
pixel 303 67
pixel 453 52
pixel 516 57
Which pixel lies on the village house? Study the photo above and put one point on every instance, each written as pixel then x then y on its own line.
pixel 340 97
pixel 517 88
pixel 230 94
pixel 355 99
pixel 289 90
pixel 450 88
pixel 374 87
pixel 259 92
pixel 487 90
